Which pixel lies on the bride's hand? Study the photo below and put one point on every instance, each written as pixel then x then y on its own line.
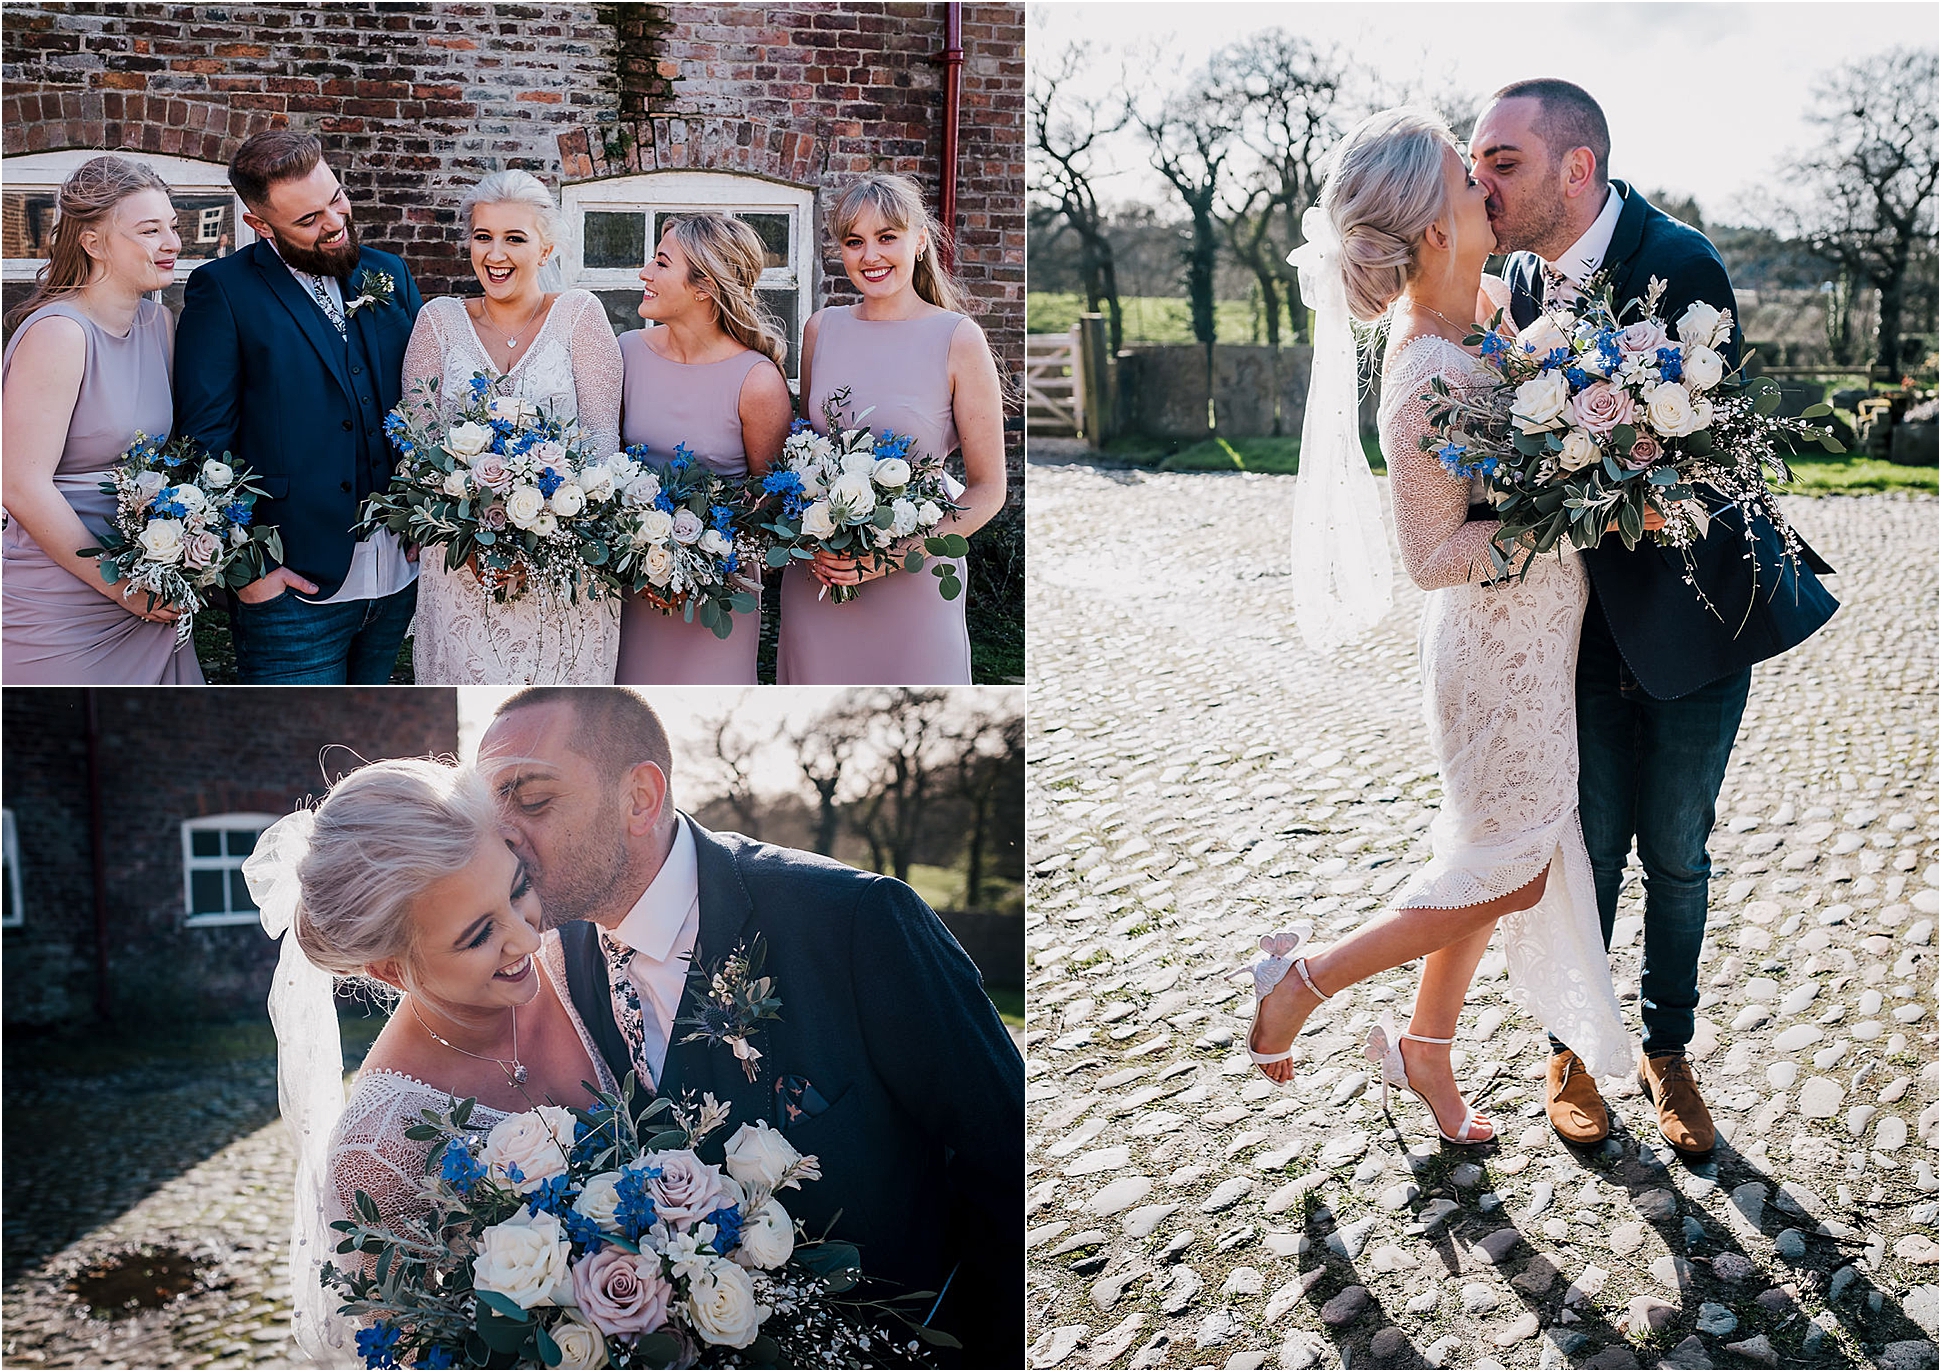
pixel 1653 521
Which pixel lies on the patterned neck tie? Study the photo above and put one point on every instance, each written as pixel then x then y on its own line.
pixel 626 1003
pixel 329 306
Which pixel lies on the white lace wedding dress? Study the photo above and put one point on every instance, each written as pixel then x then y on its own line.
pixel 1499 669
pixel 460 636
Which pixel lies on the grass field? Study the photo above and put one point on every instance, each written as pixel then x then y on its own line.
pixel 1147 318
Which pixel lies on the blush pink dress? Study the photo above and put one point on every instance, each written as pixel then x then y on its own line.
pixel 663 404
pixel 899 631
pixel 56 630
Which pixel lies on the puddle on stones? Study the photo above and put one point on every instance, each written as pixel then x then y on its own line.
pixel 144 1279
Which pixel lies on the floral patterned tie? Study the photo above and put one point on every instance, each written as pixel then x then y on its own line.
pixel 325 303
pixel 626 1003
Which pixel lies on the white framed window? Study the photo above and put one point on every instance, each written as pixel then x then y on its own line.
pixel 208 213
pixel 213 849
pixel 612 225
pixel 10 882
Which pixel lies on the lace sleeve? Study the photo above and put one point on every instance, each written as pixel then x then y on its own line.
pixel 424 359
pixel 599 375
pixel 1440 547
pixel 370 1152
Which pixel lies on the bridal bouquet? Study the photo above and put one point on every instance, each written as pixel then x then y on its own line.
pixel 857 493
pixel 676 541
pixel 181 527
pixel 575 1238
pixel 1594 420
pixel 504 486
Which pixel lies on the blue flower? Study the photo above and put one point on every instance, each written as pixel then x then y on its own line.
pixel 1670 367
pixel 683 456
pixel 437 1356
pixel 1608 350
pixel 1577 377
pixel 797 426
pixel 1495 345
pixel 378 1345
pixel 459 1167
pixel 480 385
pixel 663 501
pixel 784 482
pixel 727 1227
pixel 550 481
pixel 550 1196
pixel 733 564
pixel 237 513
pixel 581 1230
pixel 1557 358
pixel 723 516
pixel 889 445
pixel 514 1174
pixel 635 1212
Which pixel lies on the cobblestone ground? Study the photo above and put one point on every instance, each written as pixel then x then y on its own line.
pixel 1199 778
pixel 135 1169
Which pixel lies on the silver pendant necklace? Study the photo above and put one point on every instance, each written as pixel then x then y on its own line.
pixel 514 342
pixel 515 1071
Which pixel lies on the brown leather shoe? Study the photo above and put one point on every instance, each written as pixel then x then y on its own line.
pixel 1570 1098
pixel 1668 1083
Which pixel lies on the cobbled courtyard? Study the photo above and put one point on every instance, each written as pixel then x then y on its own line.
pixel 1199 778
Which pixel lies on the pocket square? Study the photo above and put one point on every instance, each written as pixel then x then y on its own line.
pixel 796 1098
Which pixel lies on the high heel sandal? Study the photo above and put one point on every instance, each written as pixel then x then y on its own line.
pixel 1267 973
pixel 1385 1048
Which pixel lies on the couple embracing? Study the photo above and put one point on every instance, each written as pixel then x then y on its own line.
pixel 549 921
pixel 1594 701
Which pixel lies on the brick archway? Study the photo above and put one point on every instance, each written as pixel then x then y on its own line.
pixel 129 120
pixel 695 143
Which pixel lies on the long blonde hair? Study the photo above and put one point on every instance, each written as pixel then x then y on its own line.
pixel 900 203
pixel 87 198
pixel 725 258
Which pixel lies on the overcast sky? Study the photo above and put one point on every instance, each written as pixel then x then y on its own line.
pixel 1703 99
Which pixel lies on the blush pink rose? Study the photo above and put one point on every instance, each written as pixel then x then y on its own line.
pixel 1644 452
pixel 687 1189
pixel 200 549
pixel 1646 336
pixel 490 470
pixel 622 1293
pixel 1601 407
pixel 492 517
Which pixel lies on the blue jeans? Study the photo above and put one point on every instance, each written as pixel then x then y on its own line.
pixel 289 640
pixel 1651 769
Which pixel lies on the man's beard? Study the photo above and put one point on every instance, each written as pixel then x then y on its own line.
pixel 583 879
pixel 335 261
pixel 1531 228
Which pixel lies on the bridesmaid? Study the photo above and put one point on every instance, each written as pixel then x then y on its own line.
pixel 88 366
pixel 909 351
pixel 708 377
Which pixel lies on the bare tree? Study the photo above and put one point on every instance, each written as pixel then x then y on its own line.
pixel 987 755
pixel 906 728
pixel 724 753
pixel 1868 189
pixel 826 754
pixel 1065 130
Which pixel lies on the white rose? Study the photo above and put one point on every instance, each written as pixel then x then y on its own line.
pixel 599 1199
pixel 190 498
pixel 1579 452
pixel 817 521
pixel 1668 409
pixel 904 515
pixel 568 500
pixel 715 543
pixel 1542 337
pixel 758 1155
pixel 687 526
pixel 1701 413
pixel 853 496
pixel 535 1141
pixel 467 440
pixel 858 464
pixel 598 484
pixel 891 472
pixel 524 1259
pixel 162 541
pixel 524 505
pixel 721 1306
pixel 1704 368
pixel 643 489
pixel 929 513
pixel 150 483
pixel 658 563
pixel 512 409
pixel 1698 327
pixel 767 1237
pixel 580 1344
pixel 456 484
pixel 217 474
pixel 1540 401
pixel 546 525
pixel 655 526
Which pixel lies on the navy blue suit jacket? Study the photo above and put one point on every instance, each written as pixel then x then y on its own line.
pixel 1670 641
pixel 261 373
pixel 916 1099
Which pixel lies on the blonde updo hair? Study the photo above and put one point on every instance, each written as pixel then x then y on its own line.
pixel 725 258
pixel 87 200
pixel 1384 189
pixel 520 188
pixel 384 834
pixel 900 203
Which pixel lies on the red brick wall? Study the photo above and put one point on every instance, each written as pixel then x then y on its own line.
pixel 166 756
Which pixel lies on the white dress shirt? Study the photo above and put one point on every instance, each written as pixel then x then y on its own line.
pixel 378 566
pixel 661 929
pixel 1586 255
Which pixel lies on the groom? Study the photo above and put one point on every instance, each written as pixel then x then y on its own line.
pixel 887 1062
pixel 288 355
pixel 1661 680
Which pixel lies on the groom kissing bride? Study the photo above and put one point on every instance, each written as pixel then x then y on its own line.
pixel 552 920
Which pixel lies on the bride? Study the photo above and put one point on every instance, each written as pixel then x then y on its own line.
pixel 1401 234
pixel 402 876
pixel 556 350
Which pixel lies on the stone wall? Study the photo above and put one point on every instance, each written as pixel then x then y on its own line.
pixel 166 756
pixel 1162 390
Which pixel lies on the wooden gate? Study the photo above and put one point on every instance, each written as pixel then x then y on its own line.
pixel 1054 397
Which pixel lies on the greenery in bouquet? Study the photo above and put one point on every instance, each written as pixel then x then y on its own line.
pixel 1593 422
pixel 678 542
pixel 599 1237
pixel 862 495
pixel 504 487
pixel 182 527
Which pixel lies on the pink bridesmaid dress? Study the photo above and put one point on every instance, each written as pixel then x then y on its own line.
pixel 56 630
pixel 664 404
pixel 899 631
